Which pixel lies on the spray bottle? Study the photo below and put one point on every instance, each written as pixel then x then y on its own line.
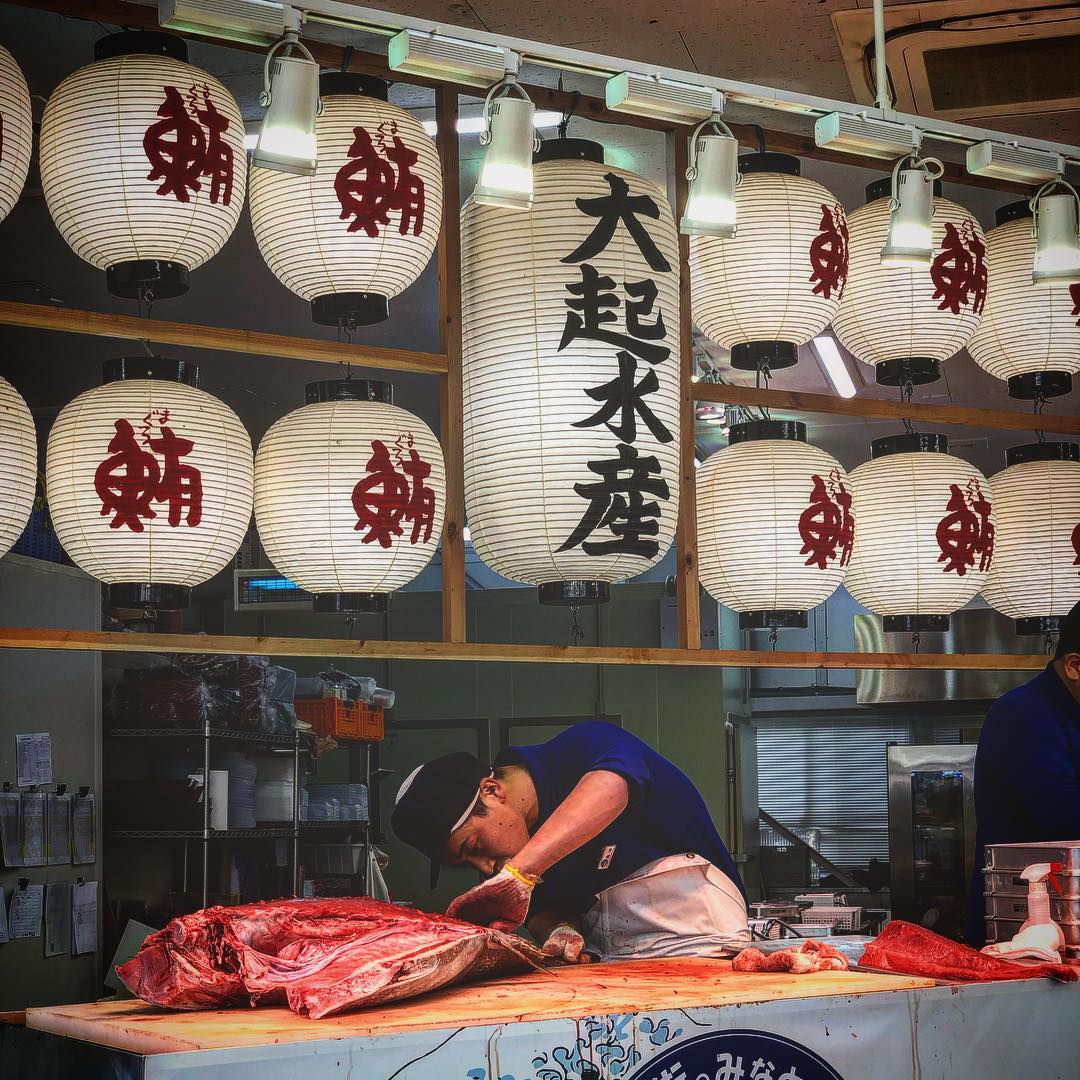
pixel 1040 930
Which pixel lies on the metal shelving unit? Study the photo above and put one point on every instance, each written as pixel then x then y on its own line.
pixel 208 734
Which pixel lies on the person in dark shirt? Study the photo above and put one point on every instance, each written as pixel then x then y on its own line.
pixel 594 839
pixel 1027 765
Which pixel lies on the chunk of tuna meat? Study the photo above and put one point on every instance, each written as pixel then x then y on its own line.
pixel 812 955
pixel 318 956
pixel 914 950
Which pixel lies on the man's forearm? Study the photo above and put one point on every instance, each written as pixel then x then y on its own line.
pixel 599 798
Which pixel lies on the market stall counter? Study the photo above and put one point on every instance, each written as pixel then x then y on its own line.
pixel 678 1019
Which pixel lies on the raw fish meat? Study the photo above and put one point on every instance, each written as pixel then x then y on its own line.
pixel 811 955
pixel 318 956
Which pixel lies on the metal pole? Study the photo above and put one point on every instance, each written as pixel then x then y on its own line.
pixel 206 815
pixel 881 69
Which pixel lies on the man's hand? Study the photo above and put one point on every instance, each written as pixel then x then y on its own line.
pixel 567 944
pixel 501 902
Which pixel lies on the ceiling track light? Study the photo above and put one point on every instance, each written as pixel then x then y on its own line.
pixel 290 96
pixel 858 133
pixel 1011 161
pixel 910 241
pixel 506 177
pixel 713 174
pixel 1055 223
pixel 660 98
pixel 435 56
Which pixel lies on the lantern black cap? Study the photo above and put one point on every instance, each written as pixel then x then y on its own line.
pixel 147 279
pixel 150 367
pixel 915 624
pixel 1042 451
pixel 569 150
pixel 754 430
pixel 882 189
pixel 772 620
pixel 573 593
pixel 349 390
pixel 153 42
pixel 350 309
pixel 769 161
pixel 775 355
pixel 1039 384
pixel 916 370
pixel 130 594
pixel 1013 211
pixel 350 603
pixel 352 82
pixel 911 442
pixel 1040 624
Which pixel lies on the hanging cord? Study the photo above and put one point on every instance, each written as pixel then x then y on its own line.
pixel 146 296
pixel 345 328
pixel 759 131
pixel 774 637
pixel 1038 405
pixel 763 373
pixel 1050 643
pixel 916 641
pixel 568 115
pixel 346 57
pixel 907 388
pixel 350 622
pixel 577 633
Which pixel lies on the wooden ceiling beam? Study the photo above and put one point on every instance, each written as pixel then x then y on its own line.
pixel 337 648
pixel 138 16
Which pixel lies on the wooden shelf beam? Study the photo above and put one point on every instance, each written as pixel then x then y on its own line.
pixel 219 338
pixel 339 648
pixel 879 409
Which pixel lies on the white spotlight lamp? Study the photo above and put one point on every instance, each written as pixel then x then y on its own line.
pixel 1057 234
pixel 911 213
pixel 713 174
pixel 506 177
pixel 291 98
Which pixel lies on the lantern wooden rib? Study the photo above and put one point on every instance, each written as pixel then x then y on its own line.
pixel 18 465
pixel 889 312
pixel 305 471
pixel 298 222
pixel 16 133
pixel 751 496
pixel 1025 328
pixel 522 395
pixel 757 285
pixel 161 554
pixel 94 168
pixel 896 566
pixel 1035 573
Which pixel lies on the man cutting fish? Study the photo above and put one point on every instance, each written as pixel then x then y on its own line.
pixel 597 842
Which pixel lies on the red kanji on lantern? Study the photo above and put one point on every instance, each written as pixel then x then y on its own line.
pixel 180 152
pixel 1076 544
pixel 827 522
pixel 959 269
pixel 369 189
pixel 829 253
pixel 1074 292
pixel 966 530
pixel 129 481
pixel 384 498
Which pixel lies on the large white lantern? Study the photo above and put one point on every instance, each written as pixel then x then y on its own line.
pixel 778 281
pixel 18 465
pixel 149 482
pixel 905 320
pixel 350 493
pixel 1034 578
pixel 775 524
pixel 143 163
pixel 1030 334
pixel 570 319
pixel 361 229
pixel 16 132
pixel 926 532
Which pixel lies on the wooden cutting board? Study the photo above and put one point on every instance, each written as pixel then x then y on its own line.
pixel 570 992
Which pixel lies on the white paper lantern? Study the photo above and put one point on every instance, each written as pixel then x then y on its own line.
pixel 18 465
pixel 143 163
pixel 363 227
pixel 570 319
pixel 778 281
pixel 350 493
pixel 1035 576
pixel 775 524
pixel 906 320
pixel 926 532
pixel 1030 334
pixel 149 482
pixel 16 132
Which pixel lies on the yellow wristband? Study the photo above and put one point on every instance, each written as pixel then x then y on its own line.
pixel 525 879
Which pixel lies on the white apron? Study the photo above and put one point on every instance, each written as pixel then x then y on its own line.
pixel 680 905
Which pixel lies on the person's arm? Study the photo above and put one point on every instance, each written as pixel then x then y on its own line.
pixel 559 936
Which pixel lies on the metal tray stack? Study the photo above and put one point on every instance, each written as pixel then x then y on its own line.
pixel 1006 892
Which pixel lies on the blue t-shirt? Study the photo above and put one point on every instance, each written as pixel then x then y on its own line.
pixel 1027 776
pixel 665 815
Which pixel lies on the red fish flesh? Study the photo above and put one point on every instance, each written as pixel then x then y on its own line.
pixel 318 956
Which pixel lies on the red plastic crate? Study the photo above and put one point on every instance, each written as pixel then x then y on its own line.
pixel 341 719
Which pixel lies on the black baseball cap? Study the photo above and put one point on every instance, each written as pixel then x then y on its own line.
pixel 435 799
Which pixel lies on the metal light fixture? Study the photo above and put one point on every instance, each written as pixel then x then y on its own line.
pixel 506 177
pixel 713 174
pixel 290 96
pixel 911 212
pixel 1055 228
